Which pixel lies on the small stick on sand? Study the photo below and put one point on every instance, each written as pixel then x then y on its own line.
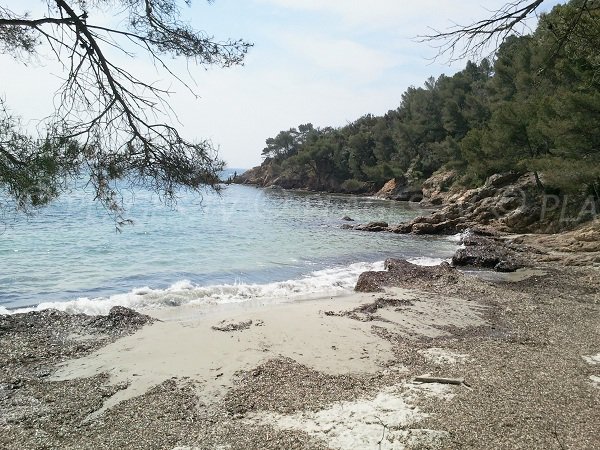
pixel 457 381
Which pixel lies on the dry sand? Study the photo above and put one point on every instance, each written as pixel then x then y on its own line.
pixel 184 343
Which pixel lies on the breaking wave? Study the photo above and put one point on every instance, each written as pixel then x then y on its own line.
pixel 327 282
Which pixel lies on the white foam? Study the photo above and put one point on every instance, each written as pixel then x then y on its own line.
pixel 328 282
pixel 427 261
pixel 458 237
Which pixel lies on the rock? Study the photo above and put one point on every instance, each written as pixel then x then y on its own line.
pixel 348 219
pixel 347 226
pixel 438 184
pixel 507 202
pixel 434 224
pixel 502 179
pixel 506 266
pixel 408 194
pixel 487 253
pixel 388 189
pixel 475 257
pixel 521 218
pixel 403 228
pixel 371 282
pixel 398 189
pixel 373 227
pixel 445 227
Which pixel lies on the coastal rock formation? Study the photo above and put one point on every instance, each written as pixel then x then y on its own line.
pixel 435 187
pixel 373 227
pixel 579 247
pixel 487 253
pixel 478 251
pixel 399 189
pixel 264 176
pixel 507 202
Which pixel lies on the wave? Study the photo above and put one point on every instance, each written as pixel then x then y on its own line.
pixel 459 237
pixel 327 282
pixel 427 261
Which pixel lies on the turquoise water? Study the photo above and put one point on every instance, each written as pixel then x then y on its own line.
pixel 244 243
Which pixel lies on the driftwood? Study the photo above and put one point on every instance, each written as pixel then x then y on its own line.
pixel 457 381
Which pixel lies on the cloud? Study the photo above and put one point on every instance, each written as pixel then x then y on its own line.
pixel 411 18
pixel 348 59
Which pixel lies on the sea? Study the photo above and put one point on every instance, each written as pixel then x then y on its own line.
pixel 240 244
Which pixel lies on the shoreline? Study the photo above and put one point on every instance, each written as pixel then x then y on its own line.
pixel 525 343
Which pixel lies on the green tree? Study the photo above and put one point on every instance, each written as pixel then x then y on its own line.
pixel 108 123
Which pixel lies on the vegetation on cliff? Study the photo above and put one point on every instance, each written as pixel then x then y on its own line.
pixel 535 108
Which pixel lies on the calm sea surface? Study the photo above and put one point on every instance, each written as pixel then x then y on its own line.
pixel 244 243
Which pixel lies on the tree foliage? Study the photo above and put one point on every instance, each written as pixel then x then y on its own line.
pixel 109 122
pixel 535 107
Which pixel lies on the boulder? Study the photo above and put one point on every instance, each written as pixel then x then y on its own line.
pixel 408 194
pixel 388 189
pixel 373 227
pixel 444 227
pixel 398 189
pixel 486 253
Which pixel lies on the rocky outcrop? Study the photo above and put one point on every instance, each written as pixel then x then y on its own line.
pixel 477 251
pixel 257 176
pixel 436 188
pixel 373 227
pixel 398 189
pixel 507 202
pixel 266 176
pixel 487 253
pixel 578 247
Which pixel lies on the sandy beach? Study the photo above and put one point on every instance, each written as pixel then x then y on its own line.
pixel 181 345
pixel 517 354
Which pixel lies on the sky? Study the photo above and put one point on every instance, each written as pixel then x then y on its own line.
pixel 324 62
